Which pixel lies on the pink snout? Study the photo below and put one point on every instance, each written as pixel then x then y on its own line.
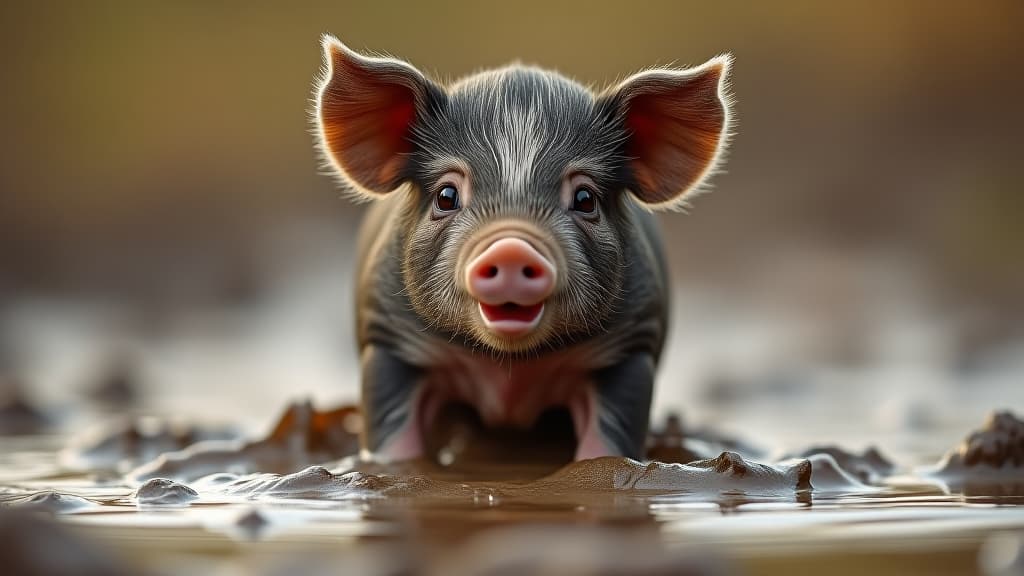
pixel 510 271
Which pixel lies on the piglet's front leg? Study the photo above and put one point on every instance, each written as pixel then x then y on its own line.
pixel 390 389
pixel 612 417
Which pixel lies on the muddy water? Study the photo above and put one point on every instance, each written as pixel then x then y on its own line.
pixel 153 497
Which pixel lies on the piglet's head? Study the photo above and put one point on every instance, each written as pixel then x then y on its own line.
pixel 517 190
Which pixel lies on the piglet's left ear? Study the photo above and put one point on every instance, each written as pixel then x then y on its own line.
pixel 678 125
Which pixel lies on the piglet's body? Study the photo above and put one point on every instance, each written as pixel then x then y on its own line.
pixel 511 262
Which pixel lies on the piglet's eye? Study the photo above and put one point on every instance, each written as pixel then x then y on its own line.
pixel 583 200
pixel 447 198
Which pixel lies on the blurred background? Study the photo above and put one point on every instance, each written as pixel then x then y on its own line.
pixel 856 274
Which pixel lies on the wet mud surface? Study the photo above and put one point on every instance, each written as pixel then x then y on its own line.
pixel 300 500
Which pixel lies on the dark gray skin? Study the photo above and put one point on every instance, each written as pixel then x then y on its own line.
pixel 570 177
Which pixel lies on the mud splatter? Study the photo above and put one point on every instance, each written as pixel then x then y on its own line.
pixel 301 437
pixel 161 491
pixel 988 462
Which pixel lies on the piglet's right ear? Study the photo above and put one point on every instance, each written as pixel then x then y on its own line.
pixel 365 110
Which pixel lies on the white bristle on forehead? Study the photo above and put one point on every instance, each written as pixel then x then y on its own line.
pixel 519 126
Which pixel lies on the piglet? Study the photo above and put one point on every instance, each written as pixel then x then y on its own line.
pixel 511 262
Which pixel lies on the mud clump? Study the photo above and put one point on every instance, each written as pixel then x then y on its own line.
pixel 829 476
pixel 118 384
pixel 869 467
pixel 124 444
pixel 672 442
pixel 161 491
pixel 302 436
pixel 19 416
pixel 315 482
pixel 989 461
pixel 999 443
pixel 319 483
pixel 49 501
pixel 727 473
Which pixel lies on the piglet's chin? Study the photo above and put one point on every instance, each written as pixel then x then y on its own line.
pixel 511 320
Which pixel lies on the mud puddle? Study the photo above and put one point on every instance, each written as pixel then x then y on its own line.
pixel 159 497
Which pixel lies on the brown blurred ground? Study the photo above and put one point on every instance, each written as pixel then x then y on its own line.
pixel 156 153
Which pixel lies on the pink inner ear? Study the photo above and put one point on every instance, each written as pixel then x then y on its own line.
pixel 400 117
pixel 643 127
pixel 366 119
pixel 674 136
pixel 394 138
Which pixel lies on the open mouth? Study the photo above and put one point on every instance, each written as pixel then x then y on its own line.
pixel 510 319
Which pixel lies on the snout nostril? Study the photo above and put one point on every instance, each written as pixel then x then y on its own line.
pixel 489 271
pixel 530 272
